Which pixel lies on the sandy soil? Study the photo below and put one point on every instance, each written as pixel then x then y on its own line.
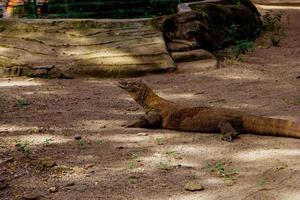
pixel 111 162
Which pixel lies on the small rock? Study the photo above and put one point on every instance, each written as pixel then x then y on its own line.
pixel 69 184
pixel 88 166
pixel 32 196
pixel 298 77
pixel 77 137
pixel 142 134
pixel 103 126
pixel 193 186
pixel 120 147
pixel 53 189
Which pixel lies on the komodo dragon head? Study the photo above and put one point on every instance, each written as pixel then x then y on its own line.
pixel 137 89
pixel 140 92
pixel 145 96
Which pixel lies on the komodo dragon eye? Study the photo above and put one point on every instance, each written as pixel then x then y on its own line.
pixel 130 86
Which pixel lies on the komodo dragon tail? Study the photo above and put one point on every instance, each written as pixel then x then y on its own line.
pixel 271 126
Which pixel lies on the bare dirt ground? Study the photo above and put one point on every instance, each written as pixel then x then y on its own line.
pixel 111 162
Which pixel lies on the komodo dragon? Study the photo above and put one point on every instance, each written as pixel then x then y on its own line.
pixel 161 113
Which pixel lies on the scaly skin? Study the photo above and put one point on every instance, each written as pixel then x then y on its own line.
pixel 203 119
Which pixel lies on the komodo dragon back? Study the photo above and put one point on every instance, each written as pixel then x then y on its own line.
pixel 203 119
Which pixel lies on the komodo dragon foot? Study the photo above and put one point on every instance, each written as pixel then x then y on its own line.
pixel 228 132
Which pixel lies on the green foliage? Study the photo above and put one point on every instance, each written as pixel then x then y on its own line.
pixel 82 143
pixel 23 146
pixel 21 103
pixel 260 182
pixel 232 33
pixel 272 23
pixel 130 166
pixel 220 169
pixel 171 152
pixel 47 141
pixel 243 46
pixel 159 141
pixel 134 156
pixel 164 165
pixel 193 175
pixel 237 2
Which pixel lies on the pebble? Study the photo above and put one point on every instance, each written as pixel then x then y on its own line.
pixel 53 189
pixel 69 184
pixel 32 196
pixel 193 186
pixel 88 166
pixel 77 137
pixel 142 134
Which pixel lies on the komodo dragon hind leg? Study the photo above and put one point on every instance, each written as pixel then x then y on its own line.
pixel 151 120
pixel 229 133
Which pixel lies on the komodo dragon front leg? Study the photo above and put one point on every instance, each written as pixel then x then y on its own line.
pixel 151 120
pixel 229 133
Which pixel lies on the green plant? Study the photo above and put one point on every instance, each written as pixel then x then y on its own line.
pixel 21 103
pixel 237 2
pixel 172 152
pixel 130 166
pixel 159 141
pixel 232 32
pixel 193 175
pixel 231 60
pixel 165 165
pixel 272 21
pixel 23 146
pixel 243 46
pixel 82 143
pixel 134 156
pixel 221 171
pixel 47 141
pixel 260 182
pixel 65 130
